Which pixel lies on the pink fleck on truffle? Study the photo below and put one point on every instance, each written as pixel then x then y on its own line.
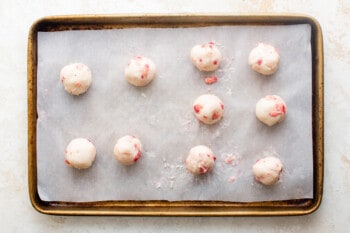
pixel 215 115
pixel 137 156
pixel 145 71
pixel 203 169
pixel 197 108
pixel 280 110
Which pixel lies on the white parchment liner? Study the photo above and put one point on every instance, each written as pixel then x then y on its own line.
pixel 161 115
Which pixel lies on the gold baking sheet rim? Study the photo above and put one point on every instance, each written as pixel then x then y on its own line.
pixel 178 208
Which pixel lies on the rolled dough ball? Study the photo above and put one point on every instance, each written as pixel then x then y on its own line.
pixel 271 110
pixel 200 160
pixel 140 71
pixel 264 59
pixel 76 78
pixel 80 153
pixel 206 57
pixel 208 109
pixel 128 150
pixel 268 170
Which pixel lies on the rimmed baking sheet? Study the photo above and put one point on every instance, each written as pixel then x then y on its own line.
pixel 88 206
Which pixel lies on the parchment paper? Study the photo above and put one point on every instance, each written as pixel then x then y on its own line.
pixel 161 115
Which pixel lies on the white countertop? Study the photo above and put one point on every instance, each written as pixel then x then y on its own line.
pixel 17 214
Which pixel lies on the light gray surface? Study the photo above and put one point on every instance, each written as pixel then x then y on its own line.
pixel 161 115
pixel 17 214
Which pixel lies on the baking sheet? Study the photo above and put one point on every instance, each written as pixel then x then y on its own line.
pixel 161 115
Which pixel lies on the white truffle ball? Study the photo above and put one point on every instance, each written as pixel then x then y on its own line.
pixel 208 108
pixel 140 71
pixel 128 150
pixel 271 110
pixel 80 153
pixel 200 160
pixel 76 78
pixel 206 57
pixel 264 59
pixel 268 170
